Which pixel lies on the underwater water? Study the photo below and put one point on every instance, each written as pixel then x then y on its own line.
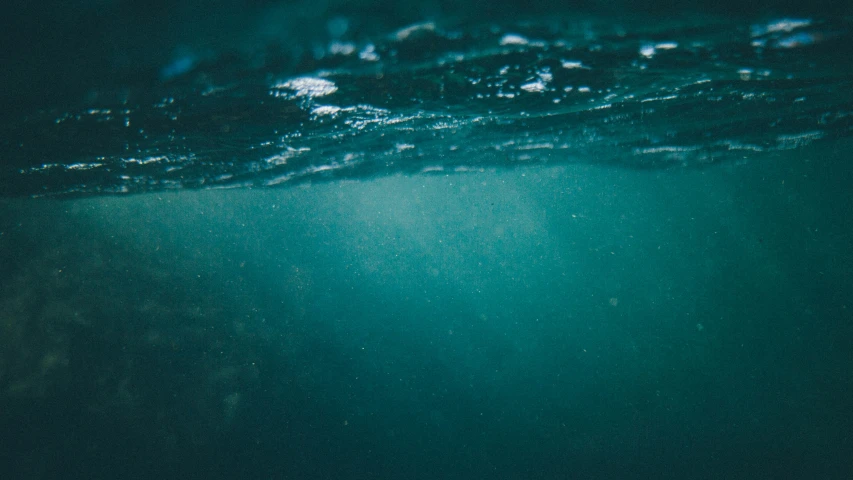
pixel 428 244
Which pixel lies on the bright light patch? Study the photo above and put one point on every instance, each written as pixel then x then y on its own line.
pixel 325 110
pixel 513 39
pixel 534 87
pixel 311 87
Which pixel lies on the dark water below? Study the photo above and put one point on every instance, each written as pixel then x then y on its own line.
pixel 558 247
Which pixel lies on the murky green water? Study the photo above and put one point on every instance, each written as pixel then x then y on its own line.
pixel 497 250
pixel 562 322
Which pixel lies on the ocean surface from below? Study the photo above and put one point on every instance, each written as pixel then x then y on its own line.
pixel 443 97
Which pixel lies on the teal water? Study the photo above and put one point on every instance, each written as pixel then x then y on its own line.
pixel 443 95
pixel 547 322
pixel 368 240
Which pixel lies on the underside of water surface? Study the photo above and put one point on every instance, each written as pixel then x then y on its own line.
pixel 442 96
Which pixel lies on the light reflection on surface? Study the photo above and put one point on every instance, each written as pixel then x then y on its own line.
pixel 634 97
